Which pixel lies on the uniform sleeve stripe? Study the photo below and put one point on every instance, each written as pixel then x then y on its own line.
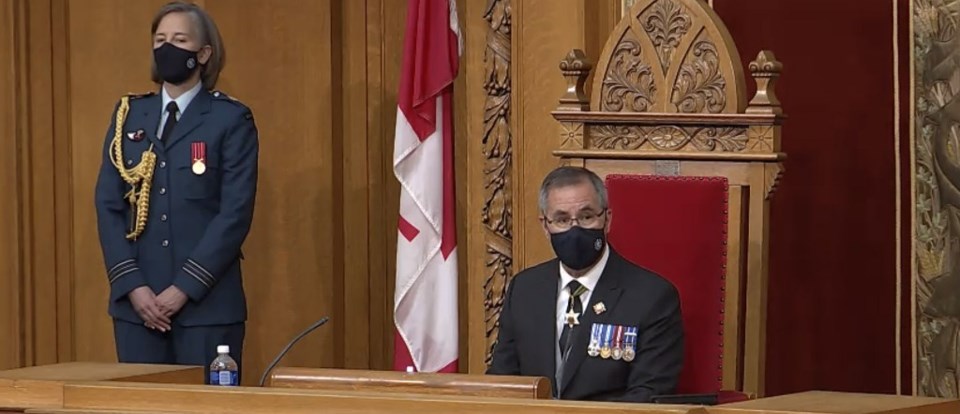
pixel 195 276
pixel 201 269
pixel 121 269
pixel 118 265
pixel 123 273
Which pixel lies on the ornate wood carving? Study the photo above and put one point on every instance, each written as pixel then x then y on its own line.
pixel 773 173
pixel 669 138
pixel 762 138
pixel 669 98
pixel 937 198
pixel 575 69
pixel 665 56
pixel 628 85
pixel 765 70
pixel 497 215
pixel 571 135
pixel 666 22
pixel 700 86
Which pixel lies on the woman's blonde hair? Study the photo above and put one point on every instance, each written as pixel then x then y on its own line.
pixel 209 35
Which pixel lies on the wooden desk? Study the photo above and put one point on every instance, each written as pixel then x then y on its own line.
pixel 159 398
pixel 42 386
pixel 821 402
pixel 402 382
pixel 92 388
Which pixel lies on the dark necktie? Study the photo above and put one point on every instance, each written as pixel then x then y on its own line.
pixel 576 305
pixel 168 126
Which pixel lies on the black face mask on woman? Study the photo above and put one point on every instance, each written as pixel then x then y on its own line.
pixel 174 64
pixel 578 248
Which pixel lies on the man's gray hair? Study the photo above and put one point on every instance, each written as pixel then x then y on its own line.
pixel 567 176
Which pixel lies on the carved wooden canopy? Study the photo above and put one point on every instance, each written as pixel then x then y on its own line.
pixel 669 98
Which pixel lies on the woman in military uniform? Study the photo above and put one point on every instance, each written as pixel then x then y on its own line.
pixel 175 199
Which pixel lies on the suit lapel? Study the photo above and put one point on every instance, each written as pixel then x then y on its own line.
pixel 192 118
pixel 545 318
pixel 606 291
pixel 151 118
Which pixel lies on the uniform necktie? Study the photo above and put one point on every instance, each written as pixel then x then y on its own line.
pixel 573 304
pixel 168 126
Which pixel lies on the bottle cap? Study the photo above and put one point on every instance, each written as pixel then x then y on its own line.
pixel 223 349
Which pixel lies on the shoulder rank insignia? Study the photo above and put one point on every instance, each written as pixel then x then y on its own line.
pixel 223 96
pixel 132 95
pixel 218 94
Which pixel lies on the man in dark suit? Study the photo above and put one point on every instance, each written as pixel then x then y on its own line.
pixel 600 326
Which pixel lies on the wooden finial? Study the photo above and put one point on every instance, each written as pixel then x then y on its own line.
pixel 765 69
pixel 575 68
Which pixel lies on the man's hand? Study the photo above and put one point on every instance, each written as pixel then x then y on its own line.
pixel 171 300
pixel 146 305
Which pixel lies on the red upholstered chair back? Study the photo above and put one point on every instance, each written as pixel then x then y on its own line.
pixel 677 227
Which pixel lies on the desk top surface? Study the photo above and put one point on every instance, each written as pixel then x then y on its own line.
pixel 837 402
pixel 87 371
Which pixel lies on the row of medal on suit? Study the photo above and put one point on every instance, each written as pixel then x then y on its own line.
pixel 613 342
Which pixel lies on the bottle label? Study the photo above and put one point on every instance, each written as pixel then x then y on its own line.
pixel 227 378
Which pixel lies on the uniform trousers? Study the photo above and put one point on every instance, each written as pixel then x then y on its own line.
pixel 193 345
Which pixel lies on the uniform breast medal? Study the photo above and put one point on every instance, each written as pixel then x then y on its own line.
pixel 199 156
pixel 593 349
pixel 605 350
pixel 617 351
pixel 630 344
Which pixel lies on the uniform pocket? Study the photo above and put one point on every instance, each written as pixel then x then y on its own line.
pixel 200 186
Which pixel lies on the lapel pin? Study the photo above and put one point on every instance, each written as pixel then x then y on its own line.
pixel 599 308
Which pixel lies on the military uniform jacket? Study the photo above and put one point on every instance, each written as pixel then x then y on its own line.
pixel 631 297
pixel 196 223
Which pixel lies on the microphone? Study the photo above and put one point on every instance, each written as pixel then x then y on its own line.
pixel 286 349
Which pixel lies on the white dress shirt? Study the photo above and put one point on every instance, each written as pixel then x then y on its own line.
pixel 182 102
pixel 588 280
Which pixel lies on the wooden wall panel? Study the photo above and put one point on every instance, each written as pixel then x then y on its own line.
pixel 544 32
pixel 321 78
pixel 10 250
pixel 39 194
pixel 108 56
pixel 59 118
pixel 293 270
pixel 393 24
pixel 355 201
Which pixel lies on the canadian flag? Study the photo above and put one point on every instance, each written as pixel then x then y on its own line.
pixel 425 303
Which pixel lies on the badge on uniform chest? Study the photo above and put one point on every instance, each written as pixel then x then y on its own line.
pixel 136 136
pixel 199 158
pixel 613 341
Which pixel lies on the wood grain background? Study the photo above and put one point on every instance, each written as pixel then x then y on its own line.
pixel 321 77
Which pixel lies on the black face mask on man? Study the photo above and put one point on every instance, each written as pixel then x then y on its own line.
pixel 174 64
pixel 578 248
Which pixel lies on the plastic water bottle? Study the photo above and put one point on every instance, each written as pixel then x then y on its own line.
pixel 223 369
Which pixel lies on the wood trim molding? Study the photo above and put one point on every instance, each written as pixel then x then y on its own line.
pixel 497 150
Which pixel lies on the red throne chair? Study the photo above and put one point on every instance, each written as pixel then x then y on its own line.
pixel 690 167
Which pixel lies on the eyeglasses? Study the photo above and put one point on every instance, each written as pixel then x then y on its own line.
pixel 586 219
